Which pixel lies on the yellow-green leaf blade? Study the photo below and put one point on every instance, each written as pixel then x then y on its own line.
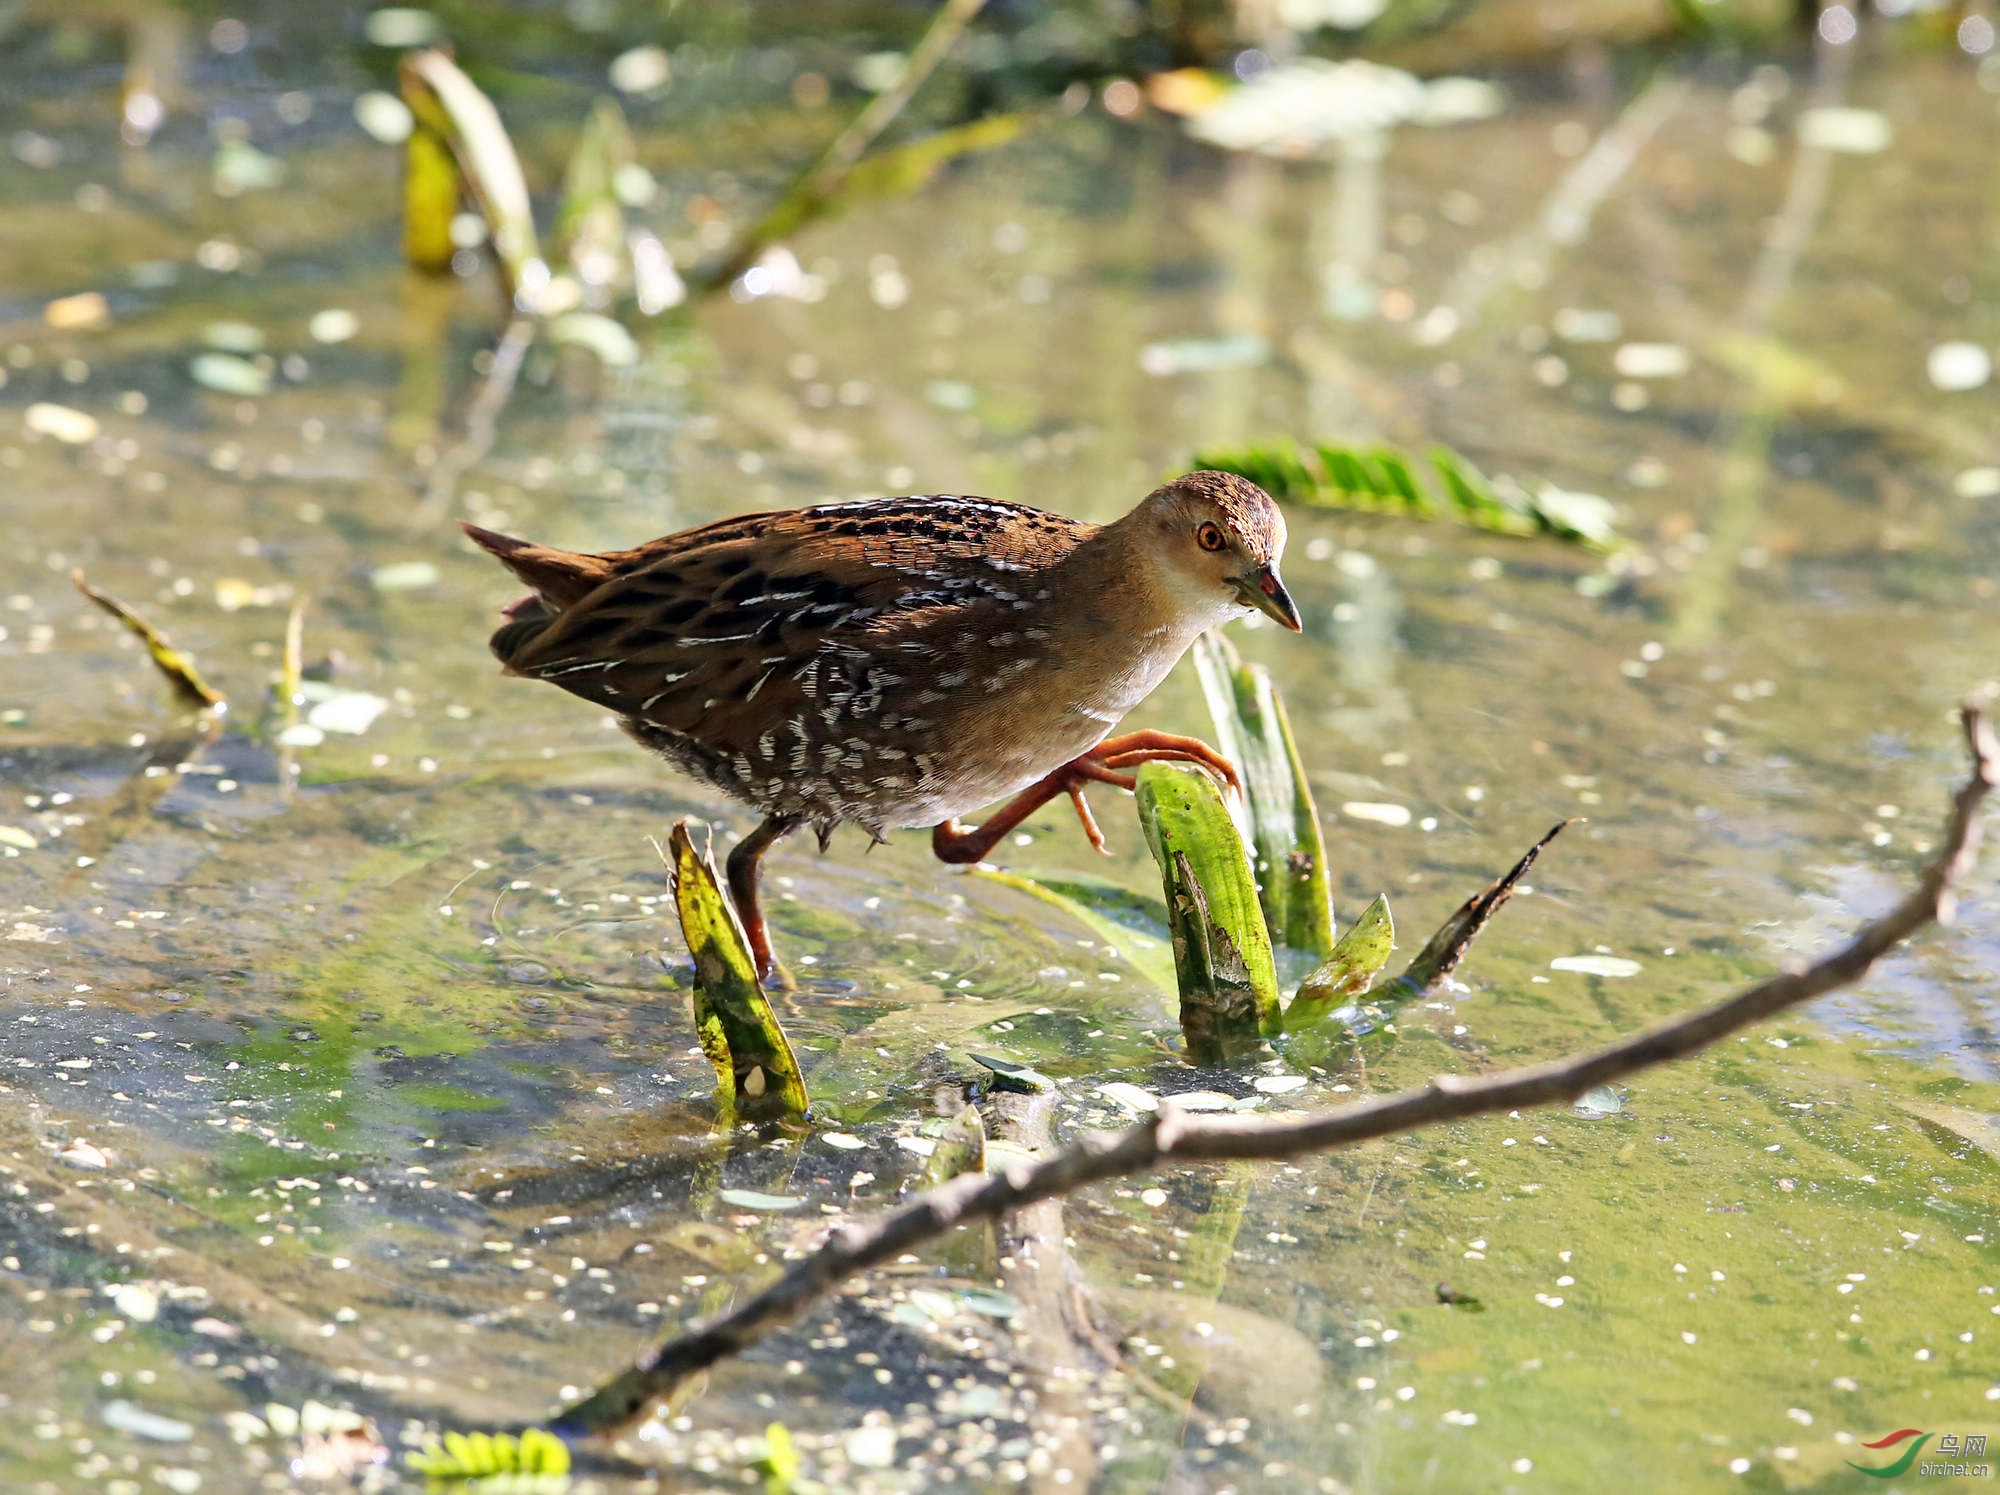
pixel 1349 972
pixel 1222 949
pixel 754 1063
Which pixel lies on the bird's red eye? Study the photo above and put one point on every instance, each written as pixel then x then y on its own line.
pixel 1210 537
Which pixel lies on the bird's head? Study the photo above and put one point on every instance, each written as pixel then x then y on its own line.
pixel 1221 537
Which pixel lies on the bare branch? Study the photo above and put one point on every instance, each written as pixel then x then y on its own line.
pixel 1170 1135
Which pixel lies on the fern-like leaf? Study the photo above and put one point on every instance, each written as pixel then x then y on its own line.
pixel 534 1463
pixel 1384 480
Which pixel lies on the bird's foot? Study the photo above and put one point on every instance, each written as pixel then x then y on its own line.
pixel 1107 763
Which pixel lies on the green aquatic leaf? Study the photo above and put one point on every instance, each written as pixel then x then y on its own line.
pixel 1348 972
pixel 432 189
pixel 176 666
pixel 1132 927
pixel 450 106
pixel 960 1149
pixel 1276 813
pixel 754 1064
pixel 1384 480
pixel 779 1463
pixel 1222 949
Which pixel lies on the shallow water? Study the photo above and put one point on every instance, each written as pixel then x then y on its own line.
pixel 380 1089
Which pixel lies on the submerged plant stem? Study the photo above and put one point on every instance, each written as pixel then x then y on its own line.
pixel 1445 949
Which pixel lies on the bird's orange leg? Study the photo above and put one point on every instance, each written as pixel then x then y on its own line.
pixel 1103 764
pixel 745 862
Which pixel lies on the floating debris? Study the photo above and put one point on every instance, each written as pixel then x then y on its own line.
pixel 1203 355
pixel 1376 812
pixel 1280 1084
pixel 233 594
pixel 872 1446
pixel 233 337
pixel 1575 325
pixel 404 576
pixel 1596 965
pixel 402 26
pixel 83 1153
pixel 336 324
pixel 1601 1100
pixel 641 70
pixel 989 1302
pixel 227 374
pixel 155 1427
pixel 1651 361
pixel 69 426
pixel 139 1303
pixel 753 1200
pixel 1201 1100
pixel 329 708
pixel 1959 366
pixel 384 117
pixel 1850 131
pixel 1977 482
pixel 1131 1097
pixel 1300 108
pixel 1460 101
pixel 239 167
pixel 77 313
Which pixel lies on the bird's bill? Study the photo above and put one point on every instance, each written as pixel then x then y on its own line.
pixel 1264 590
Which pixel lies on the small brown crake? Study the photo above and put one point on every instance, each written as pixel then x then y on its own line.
pixel 898 661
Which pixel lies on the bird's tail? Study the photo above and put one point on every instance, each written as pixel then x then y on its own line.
pixel 560 578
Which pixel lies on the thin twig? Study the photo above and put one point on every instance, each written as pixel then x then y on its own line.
pixel 1171 1135
pixel 821 183
pixel 291 674
pixel 482 422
